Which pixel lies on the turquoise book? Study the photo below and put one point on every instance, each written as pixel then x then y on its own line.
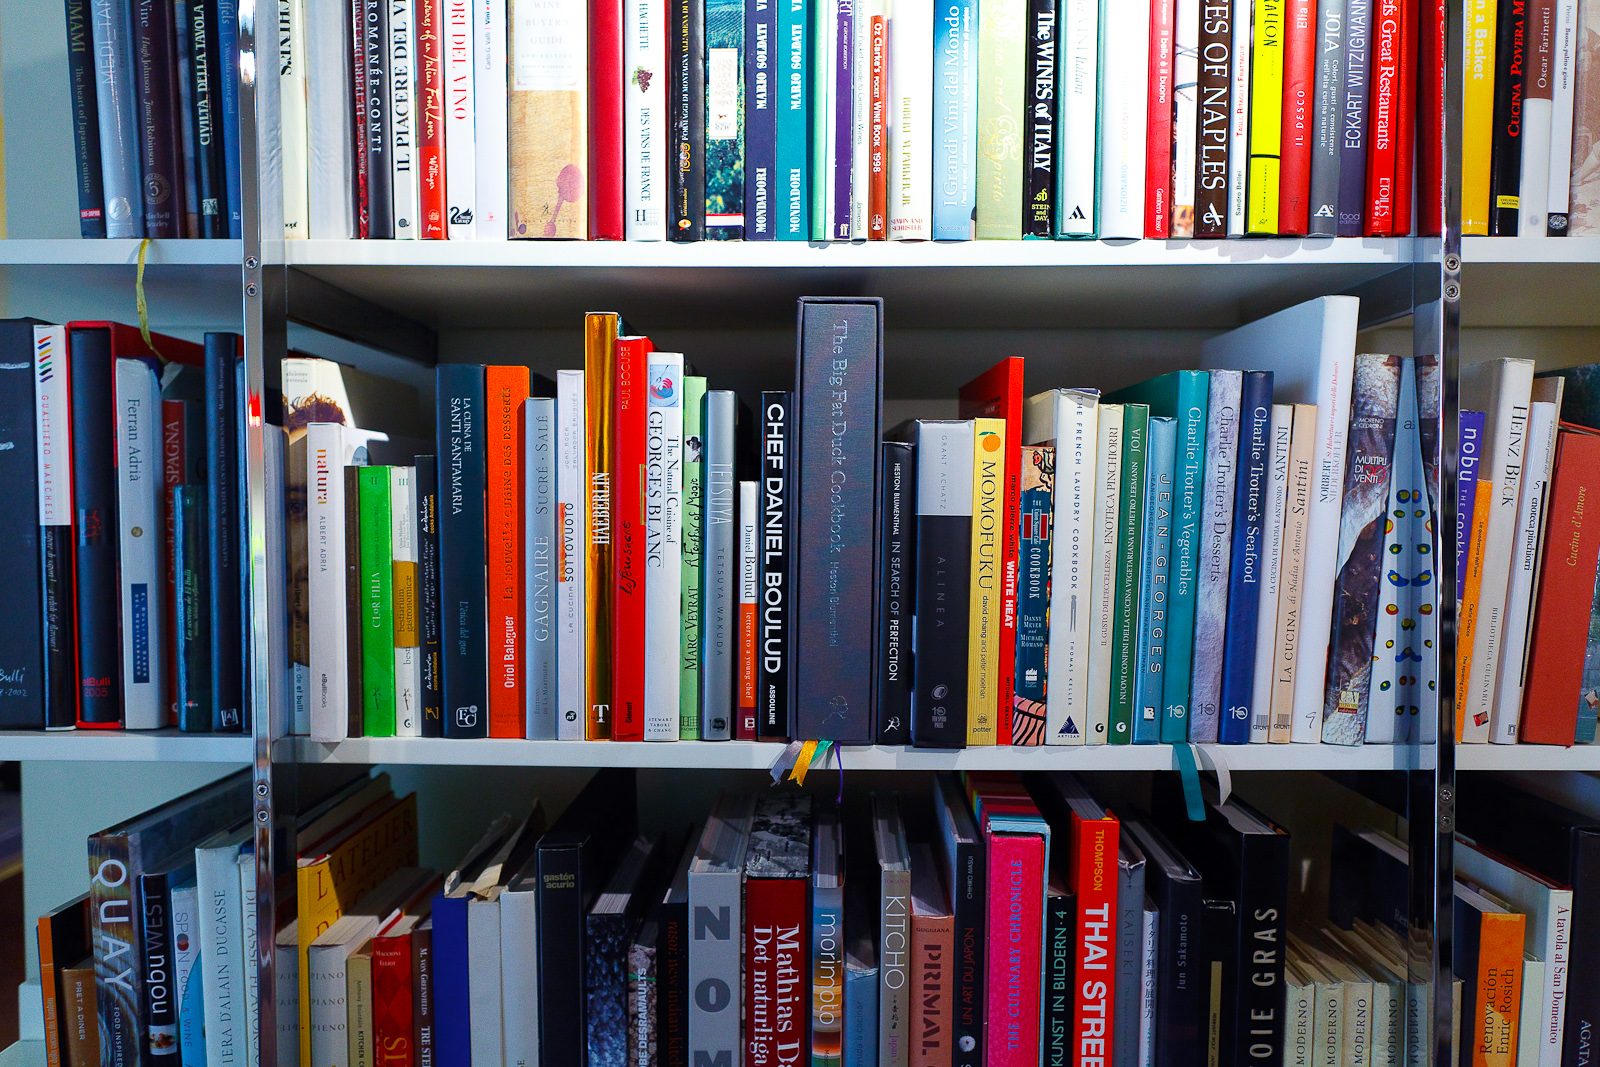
pixel 1154 571
pixel 1180 396
pixel 794 121
pixel 1125 603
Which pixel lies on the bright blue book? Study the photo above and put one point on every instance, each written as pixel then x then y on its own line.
pixel 452 1000
pixel 955 110
pixel 763 58
pixel 1244 574
pixel 228 46
pixel 1148 686
pixel 1033 593
pixel 1182 396
pixel 792 91
pixel 861 1005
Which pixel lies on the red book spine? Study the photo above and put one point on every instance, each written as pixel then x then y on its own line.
pixel 1016 936
pixel 506 389
pixel 391 1001
pixel 1299 80
pixel 605 120
pixel 1092 875
pixel 627 540
pixel 932 989
pixel 1430 117
pixel 1381 119
pixel 777 973
pixel 1560 635
pixel 1405 124
pixel 878 188
pixel 1158 130
pixel 172 467
pixel 430 128
pixel 358 60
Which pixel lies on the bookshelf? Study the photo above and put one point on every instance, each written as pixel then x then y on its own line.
pixel 154 746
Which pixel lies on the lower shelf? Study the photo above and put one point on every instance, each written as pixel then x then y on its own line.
pixel 125 745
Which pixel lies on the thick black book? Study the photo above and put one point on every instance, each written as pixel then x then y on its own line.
pixel 22 668
pixel 205 96
pixel 427 483
pixel 85 120
pixel 1219 979
pixel 686 95
pixel 575 860
pixel 192 607
pixel 1366 882
pixel 155 72
pixel 838 419
pixel 374 125
pixel 1505 155
pixel 1060 928
pixel 1039 173
pixel 943 535
pixel 961 853
pixel 94 494
pixel 774 603
pixel 459 414
pixel 897 584
pixel 1173 883
pixel 225 530
pixel 355 599
pixel 1212 114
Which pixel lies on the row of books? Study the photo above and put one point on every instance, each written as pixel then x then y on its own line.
pixel 122 465
pixel 832 121
pixel 154 95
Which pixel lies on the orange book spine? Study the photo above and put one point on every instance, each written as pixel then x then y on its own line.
pixel 1467 616
pixel 506 388
pixel 1499 1003
pixel 599 387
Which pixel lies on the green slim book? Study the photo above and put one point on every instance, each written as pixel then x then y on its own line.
pixel 1001 122
pixel 377 605
pixel 1125 609
pixel 1181 396
pixel 694 392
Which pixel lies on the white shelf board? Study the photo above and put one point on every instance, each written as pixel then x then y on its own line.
pixel 119 253
pixel 747 755
pixel 23 1054
pixel 1527 758
pixel 1530 250
pixel 133 746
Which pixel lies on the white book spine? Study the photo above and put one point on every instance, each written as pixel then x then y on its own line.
pixel 483 982
pixel 1239 120
pixel 325 448
pixel 330 121
pixel 861 117
pixel 644 126
pixel 1528 1034
pixel 1564 66
pixel 1558 935
pixel 282 680
pixel 327 973
pixel 911 122
pixel 572 529
pixel 460 120
pixel 1534 192
pixel 248 940
pixel 185 955
pixel 405 586
pixel 489 88
pixel 1079 86
pixel 292 117
pixel 221 920
pixel 138 434
pixel 403 98
pixel 1536 471
pixel 1124 86
pixel 1103 579
pixel 52 424
pixel 286 975
pixel 663 533
pixel 519 976
pixel 1271 557
pixel 540 535
pixel 1185 114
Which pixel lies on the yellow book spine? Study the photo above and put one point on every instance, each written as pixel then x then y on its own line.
pixel 1477 117
pixel 1467 616
pixel 1266 118
pixel 599 386
pixel 1494 1032
pixel 983 641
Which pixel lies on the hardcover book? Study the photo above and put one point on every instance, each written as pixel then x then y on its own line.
pixel 460 110
pixel 777 873
pixel 897 553
pixel 1154 570
pixel 644 122
pixel 51 424
pixel 719 568
pixel 775 610
pixel 1213 106
pixel 955 135
pixel 1103 562
pixel 984 594
pixel 605 32
pixel 944 546
pixel 377 605
pixel 1002 52
pixel 962 861
pixel 599 382
pixel 1033 599
pixel 629 611
pixel 117 108
pixel 460 415
pixel 1352 203
pixel 724 106
pixel 541 588
pixel 1327 140
pixel 1244 573
pixel 1292 573
pixel 694 394
pixel 94 497
pixel 1123 113
pixel 505 391
pixel 1078 119
pixel 430 687
pixel 686 72
pixel 572 502
pixel 893 925
pixel 1267 637
pixel 1039 119
pixel 29 469
pixel 1129 557
pixel 1216 554
pixel 715 941
pixel 1266 116
pixel 663 560
pixel 791 86
pixel 547 120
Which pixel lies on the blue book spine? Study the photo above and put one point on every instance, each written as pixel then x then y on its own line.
pixel 1470 457
pixel 955 107
pixel 793 125
pixel 459 412
pixel 725 133
pixel 1183 577
pixel 1148 698
pixel 1244 575
pixel 762 59
pixel 452 996
pixel 860 1015
pixel 1033 593
pixel 228 47
pixel 223 425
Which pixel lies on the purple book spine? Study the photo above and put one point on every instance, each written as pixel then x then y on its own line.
pixel 1471 454
pixel 844 126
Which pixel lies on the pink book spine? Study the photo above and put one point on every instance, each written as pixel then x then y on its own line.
pixel 1016 948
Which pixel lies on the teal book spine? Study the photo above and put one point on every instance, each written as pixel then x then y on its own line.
pixel 1125 608
pixel 377 607
pixel 1154 585
pixel 724 120
pixel 794 120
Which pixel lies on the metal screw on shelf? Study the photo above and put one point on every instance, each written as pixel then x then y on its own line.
pixel 1452 263
pixel 250 290
pixel 250 263
pixel 1452 292
pixel 261 790
pixel 1446 794
pixel 263 816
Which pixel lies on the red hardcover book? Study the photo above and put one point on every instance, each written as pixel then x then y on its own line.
pixel 997 393
pixel 1385 97
pixel 605 120
pixel 429 16
pixel 393 1000
pixel 878 187
pixel 777 968
pixel 1016 936
pixel 1405 125
pixel 358 61
pixel 1559 637
pixel 1092 844
pixel 505 390
pixel 173 433
pixel 627 540
pixel 933 946
pixel 1158 135
pixel 1430 117
pixel 1299 92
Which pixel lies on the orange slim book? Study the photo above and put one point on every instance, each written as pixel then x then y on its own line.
pixel 1467 616
pixel 599 386
pixel 505 390
pixel 627 540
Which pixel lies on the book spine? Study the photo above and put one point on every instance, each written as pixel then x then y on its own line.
pixel 599 384
pixel 547 132
pixel 391 1000
pixel 842 131
pixel 1534 190
pixel 774 964
pixel 363 158
pixel 1382 118
pixel 1039 104
pixel 227 22
pixel 932 992
pixel 1103 579
pixel 1185 115
pixel 117 108
pixel 1327 140
pixel 1469 459
pixel 1244 573
pixel 1406 151
pixel 644 126
pixel 1526 559
pixel 824 48
pixel 642 1001
pixel 1505 167
pixel 775 589
pixel 460 148
pixel 519 973
pixel 187 121
pixel 841 346
pixel 490 113
pixel 628 548
pixel 910 125
pixel 487 1039
pixel 861 15
pixel 1002 57
pixel 452 988
pixel 1127 936
pixel 1070 577
pixel 354 602
pixel 222 475
pixel 718 568
pixel 572 531
pixel 191 595
pixel 1189 472
pixel 1154 572
pixel 94 498
pixel 155 96
pixel 897 592
pixel 605 120
pixel 1266 119
pixel 432 211
pixel 430 688
pixel 1352 203
pixel 541 571
pixel 187 978
pixel 1267 635
pixel 139 563
pixel 792 126
pixel 1059 924
pixel 1124 89
pixel 1215 74
pixel 1477 116
pixel 1292 573
pixel 85 121
pixel 894 978
pixel 159 1027
pixel 1125 611
pixel 1158 123
pixel 292 114
pixel 1016 939
pixel 1078 119
pixel 505 391
pixel 1300 47
pixel 1216 555
pixel 1035 512
pixel 687 84
pixel 115 863
pixel 330 122
pixel 1239 116
pixel 1563 76
pixel 221 959
pixel 723 106
pixel 374 124
pixel 424 995
pixel 878 131
pixel 694 394
pixel 672 982
pixel 459 423
pixel 714 953
pixel 944 551
pixel 663 562
pixel 407 635
pixel 377 604
pixel 984 589
pixel 955 106
pixel 402 146
pixel 760 119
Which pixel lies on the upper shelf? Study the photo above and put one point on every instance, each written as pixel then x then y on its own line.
pixel 119 253
pixel 134 746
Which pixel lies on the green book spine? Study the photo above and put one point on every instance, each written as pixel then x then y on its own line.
pixel 1125 610
pixel 377 607
pixel 694 393
pixel 1000 119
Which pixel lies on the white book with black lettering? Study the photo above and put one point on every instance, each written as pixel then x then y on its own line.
pixel 573 530
pixel 329 449
pixel 645 125
pixel 140 546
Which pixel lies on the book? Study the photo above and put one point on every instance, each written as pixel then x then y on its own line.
pixel 457 29
pixel 1016 842
pixel 694 393
pixel 547 121
pixel 962 859
pixel 51 422
pixel 642 995
pixel 944 542
pixel 407 631
pixel 1300 47
pixel 612 923
pixel 663 559
pixel 542 560
pixel 572 530
pixel 373 124
pixel 719 568
pixel 1212 121
pixel 629 613
pixel 1126 1023
pixel 1537 104
pixel 1266 118
pixel 1215 553
pixel 505 389
pixel 1103 563
pixel 1029 710
pixel 460 417
pixel 139 563
pixel 94 497
pixel 984 591
pixel 715 892
pixel 932 945
pixel 777 876
pixel 791 86
pixel 827 938
pixel 224 424
pixel 1333 27
pixel 1243 20
pixel 1509 117
pixel 893 926
pixel 1123 112
pixel 62 941
pixel 328 449
pixel 761 104
pixel 1244 573
pixel 85 124
pixel 354 603
pixel 724 106
pixel 687 117
pixel 955 135
pixel 1477 116
pixel 1185 117
pixel 746 667
pixel 216 862
pixel 1176 889
pixel 1273 515
pixel 599 413
pixel 860 1002
pixel 1039 119
pixel 1129 558
pixel 776 552
pixel 1002 48
pixel 1159 121
pixel 377 611
pixel 897 586
pixel 1078 119
pixel 1562 128
pixel 1060 923
pixel 829 114
pixel 1490 968
pixel 116 106
pixel 157 136
pixel 1154 567
pixel 1351 208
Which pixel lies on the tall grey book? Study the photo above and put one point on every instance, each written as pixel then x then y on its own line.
pixel 1125 1026
pixel 719 568
pixel 716 882
pixel 1216 553
pixel 539 568
pixel 1328 138
pixel 120 128
pixel 894 933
